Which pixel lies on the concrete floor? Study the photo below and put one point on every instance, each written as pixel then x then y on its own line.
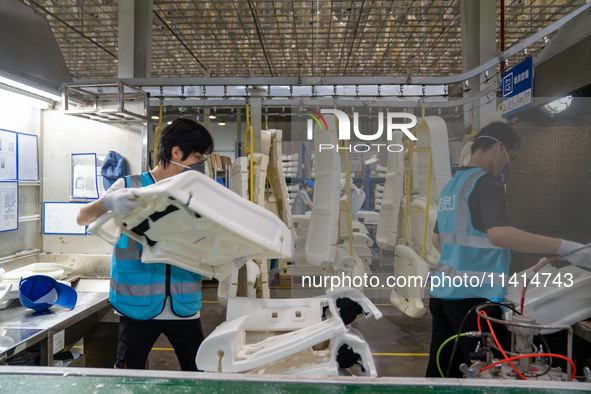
pixel 399 344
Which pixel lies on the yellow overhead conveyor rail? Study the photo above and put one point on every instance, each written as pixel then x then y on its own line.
pixel 249 150
pixel 407 207
pixel 157 130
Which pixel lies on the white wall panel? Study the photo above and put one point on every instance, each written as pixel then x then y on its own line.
pixel 64 135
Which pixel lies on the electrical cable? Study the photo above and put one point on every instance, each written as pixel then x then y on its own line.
pixel 441 347
pixel 500 347
pixel 547 353
pixel 549 367
pixel 573 373
pixel 453 352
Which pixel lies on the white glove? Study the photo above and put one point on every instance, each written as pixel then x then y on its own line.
pixel 239 262
pixel 582 258
pixel 120 201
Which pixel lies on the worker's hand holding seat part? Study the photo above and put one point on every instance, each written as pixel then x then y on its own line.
pixel 120 201
pixel 575 253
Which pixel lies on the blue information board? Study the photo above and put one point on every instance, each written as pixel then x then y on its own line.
pixel 518 83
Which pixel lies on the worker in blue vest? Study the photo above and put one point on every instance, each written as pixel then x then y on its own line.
pixel 303 202
pixel 154 298
pixel 475 239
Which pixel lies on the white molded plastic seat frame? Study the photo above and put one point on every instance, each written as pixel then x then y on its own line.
pixel 225 349
pixel 388 222
pixel 409 299
pixel 195 223
pixel 555 304
pixel 323 228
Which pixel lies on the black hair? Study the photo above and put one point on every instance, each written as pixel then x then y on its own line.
pixel 188 135
pixel 500 132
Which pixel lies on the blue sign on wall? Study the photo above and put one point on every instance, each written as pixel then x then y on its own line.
pixel 518 85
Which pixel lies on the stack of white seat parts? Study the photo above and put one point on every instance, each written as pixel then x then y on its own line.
pixel 361 240
pixel 434 136
pixel 293 190
pixel 323 229
pixel 368 217
pixel 390 223
pixel 195 223
pixel 408 297
pixel 269 163
pixel 431 134
pixel 378 196
pixel 381 171
pixel 305 337
pixel 54 270
pixel 239 177
pixel 555 296
pixel 290 165
pixel 277 182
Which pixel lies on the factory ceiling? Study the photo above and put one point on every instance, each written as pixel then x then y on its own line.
pixel 276 38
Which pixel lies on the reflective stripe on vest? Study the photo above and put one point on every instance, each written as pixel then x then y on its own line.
pixel 465 251
pixel 138 290
pixel 155 288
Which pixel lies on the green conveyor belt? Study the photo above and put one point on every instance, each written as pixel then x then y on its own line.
pixel 19 383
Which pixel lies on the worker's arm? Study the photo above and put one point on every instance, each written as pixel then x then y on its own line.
pixel 436 241
pixel 91 212
pixel 508 237
pixel 120 201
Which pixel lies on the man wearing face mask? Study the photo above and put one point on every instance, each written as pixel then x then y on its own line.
pixel 154 298
pixel 475 239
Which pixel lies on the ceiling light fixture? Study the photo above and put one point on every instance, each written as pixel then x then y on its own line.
pixel 30 89
pixel 557 106
pixel 214 115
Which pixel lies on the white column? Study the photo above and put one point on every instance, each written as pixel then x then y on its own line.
pixel 255 102
pixel 135 38
pixel 478 20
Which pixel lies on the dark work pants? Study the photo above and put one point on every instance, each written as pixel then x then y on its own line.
pixel 447 316
pixel 136 338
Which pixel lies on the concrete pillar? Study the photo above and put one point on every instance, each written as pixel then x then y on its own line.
pixel 256 99
pixel 135 38
pixel 478 20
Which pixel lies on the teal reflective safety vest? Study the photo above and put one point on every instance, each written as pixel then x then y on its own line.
pixel 139 290
pixel 470 265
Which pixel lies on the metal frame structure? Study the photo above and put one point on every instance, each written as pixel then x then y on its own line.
pixel 281 38
pixel 105 102
pixel 194 91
